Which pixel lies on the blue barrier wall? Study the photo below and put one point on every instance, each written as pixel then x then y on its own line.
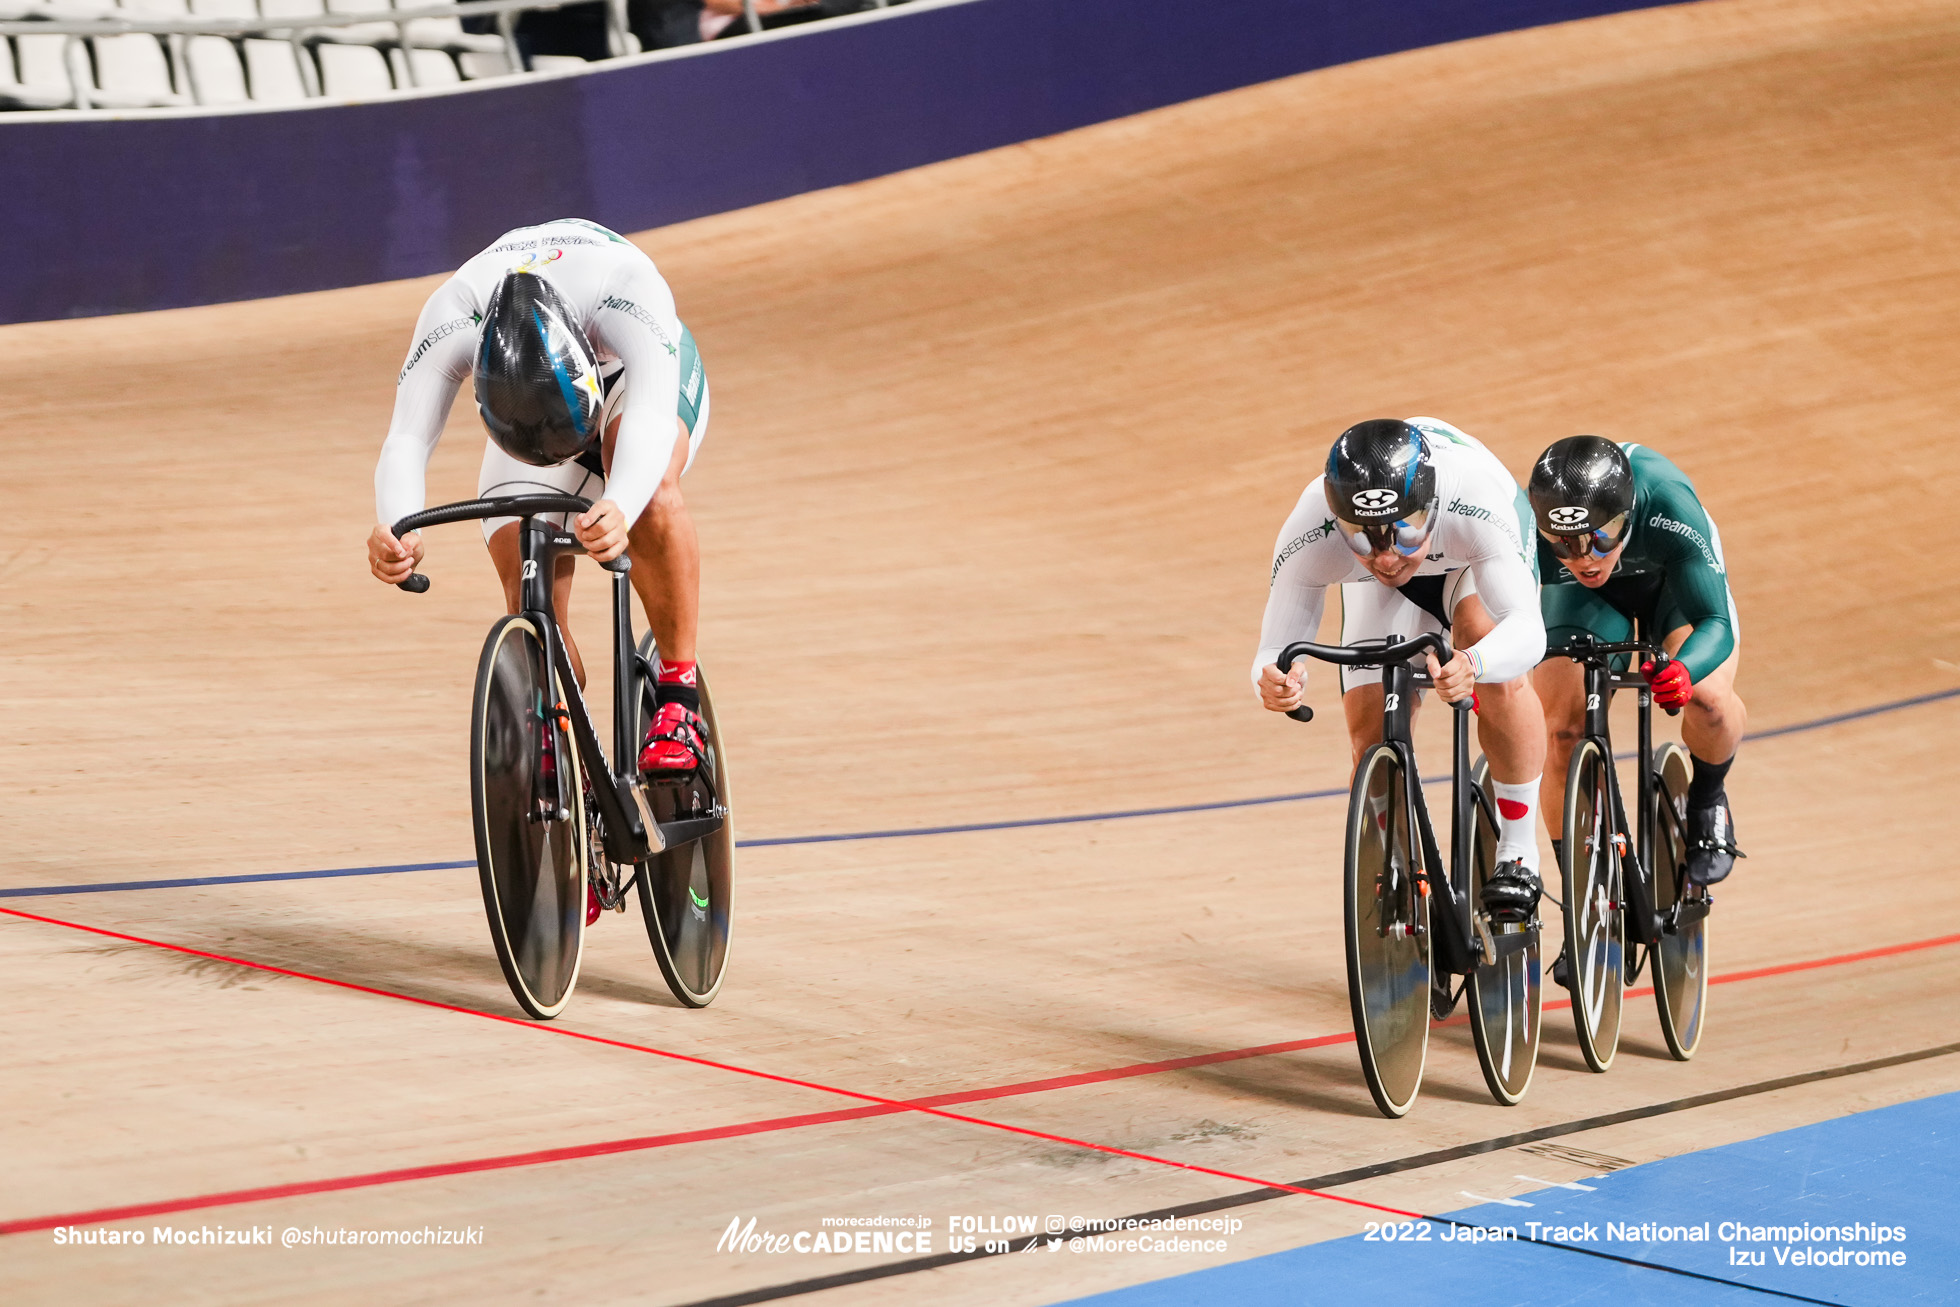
pixel 112 216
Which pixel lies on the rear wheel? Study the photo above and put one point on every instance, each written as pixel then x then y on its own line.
pixel 1387 920
pixel 529 851
pixel 1680 959
pixel 687 893
pixel 1506 1000
pixel 1595 914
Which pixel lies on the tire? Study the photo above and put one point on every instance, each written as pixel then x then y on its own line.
pixel 687 894
pixel 1387 931
pixel 1595 913
pixel 1506 997
pixel 1680 960
pixel 532 872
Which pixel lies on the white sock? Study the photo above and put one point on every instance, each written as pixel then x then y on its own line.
pixel 1517 822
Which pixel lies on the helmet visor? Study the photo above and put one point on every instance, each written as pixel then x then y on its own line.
pixel 1594 544
pixel 1405 536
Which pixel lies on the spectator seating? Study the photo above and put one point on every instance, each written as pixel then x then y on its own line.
pixel 276 52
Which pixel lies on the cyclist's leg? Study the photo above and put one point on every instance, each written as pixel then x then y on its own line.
pixel 666 557
pixel 665 550
pixel 1510 720
pixel 1511 728
pixel 1712 726
pixel 1561 684
pixel 1715 720
pixel 503 475
pixel 1370 611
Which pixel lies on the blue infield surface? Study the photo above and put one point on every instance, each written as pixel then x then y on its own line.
pixel 1788 1216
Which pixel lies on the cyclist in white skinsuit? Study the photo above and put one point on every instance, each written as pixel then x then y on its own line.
pixel 1454 558
pixel 602 304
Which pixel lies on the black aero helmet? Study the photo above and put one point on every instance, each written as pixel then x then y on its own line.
pixel 1581 492
pixel 1381 486
pixel 537 378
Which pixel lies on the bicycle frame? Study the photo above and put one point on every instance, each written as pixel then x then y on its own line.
pixel 631 833
pixel 1458 947
pixel 625 819
pixel 1601 682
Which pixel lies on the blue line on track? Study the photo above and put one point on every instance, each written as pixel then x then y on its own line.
pixel 905 832
pixel 188 881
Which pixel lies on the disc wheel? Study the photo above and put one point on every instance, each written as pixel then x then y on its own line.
pixel 1506 1001
pixel 1387 918
pixel 1680 960
pixel 1595 914
pixel 687 894
pixel 531 862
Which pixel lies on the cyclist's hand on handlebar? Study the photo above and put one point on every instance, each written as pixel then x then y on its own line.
pixel 602 531
pixel 392 560
pixel 1673 687
pixel 1281 691
pixel 1455 680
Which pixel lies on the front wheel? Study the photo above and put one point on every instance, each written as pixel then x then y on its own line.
pixel 687 894
pixel 1506 998
pixel 1595 908
pixel 1680 959
pixel 1387 918
pixel 529 808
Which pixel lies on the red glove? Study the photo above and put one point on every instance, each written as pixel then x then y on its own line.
pixel 1673 687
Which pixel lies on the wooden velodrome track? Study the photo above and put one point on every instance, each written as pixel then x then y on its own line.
pixel 999 450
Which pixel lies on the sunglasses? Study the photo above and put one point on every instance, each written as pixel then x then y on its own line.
pixel 1405 537
pixel 1590 544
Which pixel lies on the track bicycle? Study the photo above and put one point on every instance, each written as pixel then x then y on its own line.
pixel 554 818
pixel 1401 953
pixel 1629 902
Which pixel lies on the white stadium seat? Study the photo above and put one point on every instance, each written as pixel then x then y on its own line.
pixel 432 68
pixel 272 72
pixel 15 95
pixel 353 71
pixel 131 72
pixel 44 65
pixel 213 69
pixel 484 65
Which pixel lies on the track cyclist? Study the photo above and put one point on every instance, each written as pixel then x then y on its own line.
pixel 569 334
pixel 1634 543
pixel 1424 530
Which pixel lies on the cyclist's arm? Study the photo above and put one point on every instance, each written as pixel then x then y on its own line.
pixel 1308 557
pixel 636 321
pixel 1696 579
pixel 438 360
pixel 1510 595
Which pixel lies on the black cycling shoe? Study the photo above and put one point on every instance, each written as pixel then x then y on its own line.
pixel 1511 893
pixel 1711 843
pixel 1562 971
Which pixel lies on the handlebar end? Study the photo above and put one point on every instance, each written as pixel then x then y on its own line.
pixel 416 583
pixel 1301 714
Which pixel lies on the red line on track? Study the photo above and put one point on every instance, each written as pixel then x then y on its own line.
pixel 873 1105
pixel 881 1106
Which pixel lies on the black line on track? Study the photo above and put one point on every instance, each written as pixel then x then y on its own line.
pixel 1413 1162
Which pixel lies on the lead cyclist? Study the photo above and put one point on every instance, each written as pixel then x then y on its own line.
pixel 589 385
pixel 1423 530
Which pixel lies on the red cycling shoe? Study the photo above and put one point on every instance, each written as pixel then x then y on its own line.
pixel 676 742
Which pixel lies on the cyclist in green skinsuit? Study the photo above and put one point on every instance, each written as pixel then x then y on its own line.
pixel 1623 537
